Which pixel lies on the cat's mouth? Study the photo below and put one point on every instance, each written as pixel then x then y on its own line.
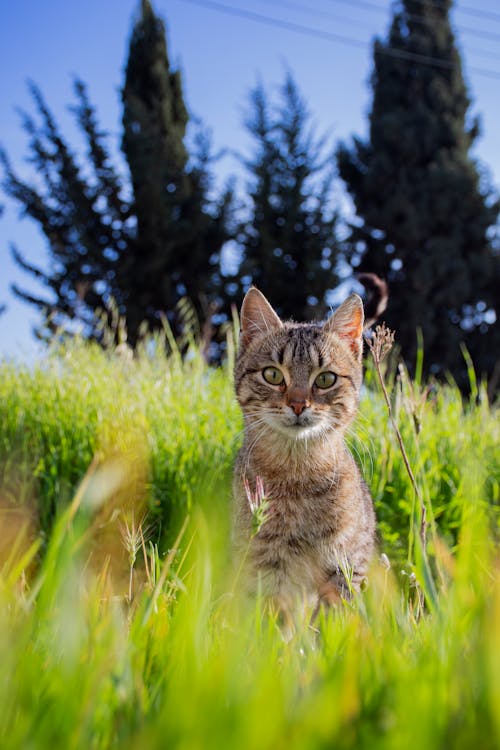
pixel 299 431
pixel 296 428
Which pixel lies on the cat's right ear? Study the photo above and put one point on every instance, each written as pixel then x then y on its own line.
pixel 257 316
pixel 347 323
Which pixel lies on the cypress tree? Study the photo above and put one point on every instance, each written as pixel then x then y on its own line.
pixel 425 214
pixel 179 231
pixel 289 243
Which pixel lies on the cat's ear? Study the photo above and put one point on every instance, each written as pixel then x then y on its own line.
pixel 347 322
pixel 257 316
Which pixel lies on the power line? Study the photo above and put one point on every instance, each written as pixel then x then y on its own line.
pixel 317 12
pixel 467 10
pixel 288 25
pixel 366 5
pixel 333 37
pixel 360 25
pixel 363 4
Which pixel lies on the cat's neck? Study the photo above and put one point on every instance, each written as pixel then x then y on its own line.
pixel 268 454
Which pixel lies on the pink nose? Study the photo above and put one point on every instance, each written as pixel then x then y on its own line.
pixel 298 406
pixel 296 399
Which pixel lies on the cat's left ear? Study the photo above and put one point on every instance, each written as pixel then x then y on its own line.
pixel 347 322
pixel 257 316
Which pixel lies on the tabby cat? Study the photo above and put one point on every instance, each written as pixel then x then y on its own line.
pixel 298 386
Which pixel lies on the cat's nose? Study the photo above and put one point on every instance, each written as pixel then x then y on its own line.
pixel 298 406
pixel 297 400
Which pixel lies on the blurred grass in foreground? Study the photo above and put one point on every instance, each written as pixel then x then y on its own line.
pixel 120 624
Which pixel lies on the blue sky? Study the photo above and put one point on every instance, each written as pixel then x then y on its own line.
pixel 221 57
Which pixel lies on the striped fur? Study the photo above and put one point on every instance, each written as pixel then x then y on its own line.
pixel 320 524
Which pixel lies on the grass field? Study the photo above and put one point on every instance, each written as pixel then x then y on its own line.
pixel 120 622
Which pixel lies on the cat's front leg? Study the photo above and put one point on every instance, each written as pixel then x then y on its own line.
pixel 336 590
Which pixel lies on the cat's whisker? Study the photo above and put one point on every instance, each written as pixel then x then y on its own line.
pixel 256 418
pixel 362 448
pixel 260 433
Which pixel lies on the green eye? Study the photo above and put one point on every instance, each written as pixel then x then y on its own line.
pixel 272 375
pixel 325 380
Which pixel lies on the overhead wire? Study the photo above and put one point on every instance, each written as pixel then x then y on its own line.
pixel 467 10
pixel 318 13
pixel 334 37
pixel 366 5
pixel 290 5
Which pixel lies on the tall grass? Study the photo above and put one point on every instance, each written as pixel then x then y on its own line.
pixel 120 621
pixel 174 424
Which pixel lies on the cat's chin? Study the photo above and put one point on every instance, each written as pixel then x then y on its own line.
pixel 297 431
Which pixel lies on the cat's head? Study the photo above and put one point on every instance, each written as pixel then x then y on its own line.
pixel 299 379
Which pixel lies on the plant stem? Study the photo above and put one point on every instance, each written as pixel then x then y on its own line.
pixel 423 510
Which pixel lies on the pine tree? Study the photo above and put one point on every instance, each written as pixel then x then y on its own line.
pixel 2 306
pixel 82 217
pixel 289 243
pixel 426 216
pixel 134 248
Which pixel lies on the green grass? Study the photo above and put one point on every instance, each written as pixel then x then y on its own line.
pixel 110 638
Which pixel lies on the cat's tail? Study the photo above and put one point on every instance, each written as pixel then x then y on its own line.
pixel 378 295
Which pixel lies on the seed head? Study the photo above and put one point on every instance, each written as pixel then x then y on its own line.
pixel 258 502
pixel 381 343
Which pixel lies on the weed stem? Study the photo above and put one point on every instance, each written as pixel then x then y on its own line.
pixel 380 345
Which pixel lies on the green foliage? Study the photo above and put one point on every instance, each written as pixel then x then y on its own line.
pixel 107 641
pixel 152 98
pixel 289 242
pixel 180 232
pixel 82 217
pixel 448 450
pixel 427 214
pixel 140 245
pixel 174 420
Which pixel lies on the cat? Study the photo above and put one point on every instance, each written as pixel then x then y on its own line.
pixel 298 386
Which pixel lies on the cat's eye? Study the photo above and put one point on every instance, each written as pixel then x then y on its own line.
pixel 325 379
pixel 273 376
